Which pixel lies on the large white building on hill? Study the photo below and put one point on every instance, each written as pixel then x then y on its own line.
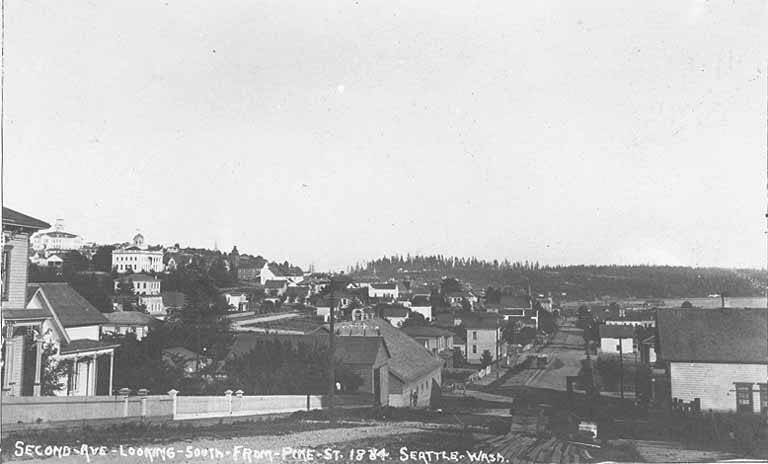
pixel 137 258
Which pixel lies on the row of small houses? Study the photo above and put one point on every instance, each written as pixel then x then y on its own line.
pixel 716 359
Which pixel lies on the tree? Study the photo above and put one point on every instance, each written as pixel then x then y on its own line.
pixel 219 274
pixel 686 305
pixel 458 357
pixel 275 367
pixel 547 321
pixel 492 295
pixel 126 297
pixel 102 259
pixel 140 364
pixel 508 333
pixel 486 359
pixel 415 319
pixel 202 322
pixel 449 285
pixel 52 371
pixel 97 292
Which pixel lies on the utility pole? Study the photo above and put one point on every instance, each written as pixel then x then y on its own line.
pixel 621 369
pixel 331 351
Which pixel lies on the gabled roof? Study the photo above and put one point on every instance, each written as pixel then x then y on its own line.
pixel 360 350
pixel 350 350
pixel 731 335
pixel 69 306
pixel 17 219
pixel 409 359
pixel 617 331
pixel 427 331
pixel 384 286
pixel 130 318
pixel 275 284
pixel 395 311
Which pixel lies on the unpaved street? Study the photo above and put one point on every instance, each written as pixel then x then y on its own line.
pixel 241 449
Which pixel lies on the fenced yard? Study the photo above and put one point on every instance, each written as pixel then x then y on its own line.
pixel 44 411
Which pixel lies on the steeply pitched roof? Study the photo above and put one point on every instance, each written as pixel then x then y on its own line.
pixel 71 308
pixel 410 360
pixel 351 350
pixel 713 335
pixel 15 218
pixel 617 331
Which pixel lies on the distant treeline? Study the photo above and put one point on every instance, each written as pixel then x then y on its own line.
pixel 582 281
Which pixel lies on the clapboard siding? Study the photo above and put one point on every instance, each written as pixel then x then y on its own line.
pixel 713 383
pixel 17 277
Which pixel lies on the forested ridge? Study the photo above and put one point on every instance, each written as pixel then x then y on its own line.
pixel 577 281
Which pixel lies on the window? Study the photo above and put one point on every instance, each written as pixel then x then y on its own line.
pixel 474 335
pixel 744 397
pixel 763 398
pixel 474 349
pixel 6 271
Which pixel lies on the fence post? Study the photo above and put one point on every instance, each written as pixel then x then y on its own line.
pixel 239 395
pixel 172 393
pixel 308 407
pixel 228 396
pixel 124 392
pixel 143 393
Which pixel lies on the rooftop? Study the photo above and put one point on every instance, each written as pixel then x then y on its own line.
pixel 15 218
pixel 617 331
pixel 130 318
pixel 409 359
pixel 730 335
pixel 69 306
pixel 426 331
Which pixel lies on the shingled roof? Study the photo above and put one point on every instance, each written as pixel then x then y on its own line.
pixel 15 218
pixel 426 331
pixel 130 318
pixel 349 350
pixel 617 331
pixel 729 335
pixel 410 360
pixel 71 308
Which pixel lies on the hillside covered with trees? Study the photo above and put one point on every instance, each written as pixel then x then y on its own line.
pixel 577 282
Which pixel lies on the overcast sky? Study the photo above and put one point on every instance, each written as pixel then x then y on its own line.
pixel 332 132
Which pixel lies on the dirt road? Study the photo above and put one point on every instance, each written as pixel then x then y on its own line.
pixel 256 449
pixel 565 354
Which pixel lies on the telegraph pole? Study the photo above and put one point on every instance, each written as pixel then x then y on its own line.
pixel 621 368
pixel 331 351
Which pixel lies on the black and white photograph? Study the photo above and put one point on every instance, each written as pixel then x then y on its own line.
pixel 384 231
